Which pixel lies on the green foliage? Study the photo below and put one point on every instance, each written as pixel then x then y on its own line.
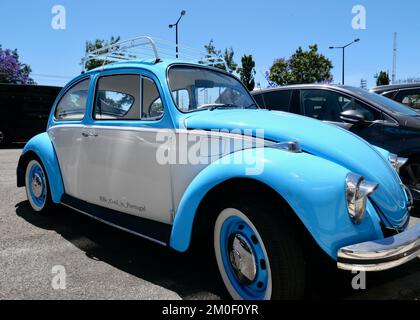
pixel 383 79
pixel 247 71
pixel 302 67
pixel 212 52
pixel 228 57
pixel 98 44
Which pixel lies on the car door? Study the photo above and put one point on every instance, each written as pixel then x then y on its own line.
pixel 66 133
pixel 327 105
pixel 118 166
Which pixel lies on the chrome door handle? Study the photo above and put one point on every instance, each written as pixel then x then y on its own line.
pixel 88 134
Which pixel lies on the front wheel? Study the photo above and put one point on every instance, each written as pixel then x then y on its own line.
pixel 37 189
pixel 258 258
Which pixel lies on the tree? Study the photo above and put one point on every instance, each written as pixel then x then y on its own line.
pixel 95 45
pixel 228 57
pixel 247 72
pixel 13 71
pixel 302 67
pixel 383 79
pixel 212 53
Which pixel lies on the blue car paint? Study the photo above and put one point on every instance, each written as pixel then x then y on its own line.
pixel 323 140
pixel 313 185
pixel 316 196
pixel 41 145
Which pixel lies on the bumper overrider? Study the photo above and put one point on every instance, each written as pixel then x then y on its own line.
pixel 381 254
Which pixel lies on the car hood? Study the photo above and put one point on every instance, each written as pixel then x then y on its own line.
pixel 323 140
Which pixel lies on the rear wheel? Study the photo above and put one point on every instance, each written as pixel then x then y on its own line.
pixel 258 258
pixel 37 189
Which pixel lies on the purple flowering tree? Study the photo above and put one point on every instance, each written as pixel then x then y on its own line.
pixel 11 70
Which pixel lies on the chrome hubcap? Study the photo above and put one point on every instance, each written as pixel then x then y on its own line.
pixel 36 185
pixel 242 259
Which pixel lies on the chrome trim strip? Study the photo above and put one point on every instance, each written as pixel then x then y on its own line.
pixel 116 226
pixel 382 254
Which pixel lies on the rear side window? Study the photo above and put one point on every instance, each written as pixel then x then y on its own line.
pixel 72 105
pixel 278 100
pixel 410 98
pixel 117 98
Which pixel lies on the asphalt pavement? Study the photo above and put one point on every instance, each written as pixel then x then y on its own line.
pixel 65 255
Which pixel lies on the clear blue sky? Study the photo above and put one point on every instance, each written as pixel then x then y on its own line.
pixel 268 29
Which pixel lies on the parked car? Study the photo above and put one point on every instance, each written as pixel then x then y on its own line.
pixel 408 93
pixel 379 120
pixel 24 111
pixel 166 162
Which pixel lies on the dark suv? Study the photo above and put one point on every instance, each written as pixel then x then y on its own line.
pixel 408 94
pixel 379 120
pixel 24 111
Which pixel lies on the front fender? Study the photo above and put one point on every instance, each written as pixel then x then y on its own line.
pixel 42 146
pixel 313 187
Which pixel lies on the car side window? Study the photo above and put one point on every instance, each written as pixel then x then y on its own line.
pixel 152 106
pixel 117 98
pixel 259 99
pixel 410 98
pixel 322 104
pixel 72 105
pixel 278 100
pixel 328 105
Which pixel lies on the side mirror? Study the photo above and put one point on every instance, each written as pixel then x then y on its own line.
pixel 353 117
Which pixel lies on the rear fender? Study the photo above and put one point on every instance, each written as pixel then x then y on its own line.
pixel 42 147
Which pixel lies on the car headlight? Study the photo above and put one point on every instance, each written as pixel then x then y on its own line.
pixel 396 162
pixel 357 192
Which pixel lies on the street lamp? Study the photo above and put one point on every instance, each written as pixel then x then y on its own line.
pixel 183 13
pixel 344 48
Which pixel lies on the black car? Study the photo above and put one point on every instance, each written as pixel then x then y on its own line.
pixel 379 120
pixel 24 111
pixel 408 94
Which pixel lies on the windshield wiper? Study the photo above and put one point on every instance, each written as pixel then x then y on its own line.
pixel 224 106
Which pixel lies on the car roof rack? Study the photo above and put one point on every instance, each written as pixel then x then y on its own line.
pixel 145 48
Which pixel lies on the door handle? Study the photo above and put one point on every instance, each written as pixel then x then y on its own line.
pixel 88 134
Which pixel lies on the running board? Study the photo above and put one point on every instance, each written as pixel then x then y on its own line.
pixel 152 230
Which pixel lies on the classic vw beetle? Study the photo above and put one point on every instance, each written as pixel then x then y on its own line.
pixel 178 152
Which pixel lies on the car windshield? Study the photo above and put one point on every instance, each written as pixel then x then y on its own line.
pixel 391 105
pixel 197 88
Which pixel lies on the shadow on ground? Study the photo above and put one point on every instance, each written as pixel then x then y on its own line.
pixel 189 275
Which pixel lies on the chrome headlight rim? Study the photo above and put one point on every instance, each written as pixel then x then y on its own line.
pixel 358 191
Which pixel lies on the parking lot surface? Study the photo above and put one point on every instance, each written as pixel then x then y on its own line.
pixel 101 262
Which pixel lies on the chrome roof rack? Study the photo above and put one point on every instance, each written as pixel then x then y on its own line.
pixel 144 47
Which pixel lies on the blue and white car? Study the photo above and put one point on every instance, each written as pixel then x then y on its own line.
pixel 178 153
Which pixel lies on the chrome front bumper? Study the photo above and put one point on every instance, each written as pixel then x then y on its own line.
pixel 381 254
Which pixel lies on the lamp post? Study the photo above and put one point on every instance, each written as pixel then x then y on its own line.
pixel 183 13
pixel 344 49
